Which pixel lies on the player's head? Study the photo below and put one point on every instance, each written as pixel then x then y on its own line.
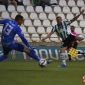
pixel 19 19
pixel 59 19
pixel 72 28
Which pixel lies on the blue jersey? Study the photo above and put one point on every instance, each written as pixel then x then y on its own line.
pixel 10 29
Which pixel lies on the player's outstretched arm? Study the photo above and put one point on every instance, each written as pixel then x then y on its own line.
pixel 21 35
pixel 24 40
pixel 75 18
pixel 47 36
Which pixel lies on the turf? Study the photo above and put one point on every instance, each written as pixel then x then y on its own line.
pixel 29 73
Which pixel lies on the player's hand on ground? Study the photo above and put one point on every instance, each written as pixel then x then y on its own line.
pixel 43 39
pixel 82 11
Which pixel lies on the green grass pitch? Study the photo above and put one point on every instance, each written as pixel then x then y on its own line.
pixel 29 73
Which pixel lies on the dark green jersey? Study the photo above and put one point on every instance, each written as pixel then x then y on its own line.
pixel 36 2
pixel 61 29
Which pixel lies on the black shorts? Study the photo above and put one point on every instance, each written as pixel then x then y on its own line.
pixel 74 45
pixel 68 40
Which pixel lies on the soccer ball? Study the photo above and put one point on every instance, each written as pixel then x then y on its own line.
pixel 42 63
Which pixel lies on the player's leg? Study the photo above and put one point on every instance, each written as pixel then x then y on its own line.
pixel 22 48
pixel 75 45
pixel 30 53
pixel 79 38
pixel 63 56
pixel 64 47
pixel 5 54
pixel 79 52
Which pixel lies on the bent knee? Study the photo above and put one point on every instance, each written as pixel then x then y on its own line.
pixel 26 50
pixel 62 50
pixel 79 38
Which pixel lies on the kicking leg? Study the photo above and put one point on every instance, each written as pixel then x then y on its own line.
pixel 30 53
pixel 79 52
pixel 79 38
pixel 20 47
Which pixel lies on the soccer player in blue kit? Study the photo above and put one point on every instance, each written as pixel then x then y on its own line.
pixel 10 29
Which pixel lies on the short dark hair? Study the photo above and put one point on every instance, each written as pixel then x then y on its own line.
pixel 72 26
pixel 58 17
pixel 18 17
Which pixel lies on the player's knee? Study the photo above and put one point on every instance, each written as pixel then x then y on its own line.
pixel 79 38
pixel 62 50
pixel 26 50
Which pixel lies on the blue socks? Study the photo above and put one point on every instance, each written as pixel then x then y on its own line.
pixel 2 58
pixel 34 56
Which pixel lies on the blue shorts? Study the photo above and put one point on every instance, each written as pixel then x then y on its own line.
pixel 13 46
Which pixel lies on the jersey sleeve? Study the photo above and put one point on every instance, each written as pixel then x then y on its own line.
pixel 68 22
pixel 53 29
pixel 3 21
pixel 21 35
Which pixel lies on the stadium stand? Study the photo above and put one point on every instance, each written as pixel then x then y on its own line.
pixel 62 3
pixel 48 29
pixel 2 8
pixel 13 14
pixel 42 16
pixel 37 23
pixel 29 9
pixel 38 9
pixel 71 3
pixel 26 2
pixel 41 30
pixel 33 16
pixel 11 8
pixel 31 30
pixel 53 1
pixel 5 14
pixel 51 16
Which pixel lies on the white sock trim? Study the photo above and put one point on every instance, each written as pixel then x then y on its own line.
pixel 63 56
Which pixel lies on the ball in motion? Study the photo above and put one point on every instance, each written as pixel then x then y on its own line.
pixel 42 63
